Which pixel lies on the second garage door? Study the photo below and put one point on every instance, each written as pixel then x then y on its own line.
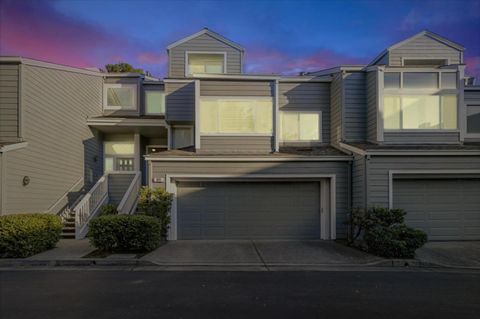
pixel 447 209
pixel 247 210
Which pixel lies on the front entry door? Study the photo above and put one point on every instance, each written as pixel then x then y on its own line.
pixel 125 164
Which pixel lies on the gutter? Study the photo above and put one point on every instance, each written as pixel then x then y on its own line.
pixel 248 159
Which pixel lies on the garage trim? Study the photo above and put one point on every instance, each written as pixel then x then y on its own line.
pixel 391 174
pixel 330 203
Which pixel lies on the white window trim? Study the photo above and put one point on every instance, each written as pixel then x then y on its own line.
pixel 240 98
pixel 418 130
pixel 470 135
pixel 320 137
pixel 107 86
pixel 164 102
pixel 205 52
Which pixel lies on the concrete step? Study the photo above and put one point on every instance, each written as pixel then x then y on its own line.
pixel 68 236
pixel 68 230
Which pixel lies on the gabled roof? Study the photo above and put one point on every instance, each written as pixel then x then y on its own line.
pixel 210 33
pixel 427 33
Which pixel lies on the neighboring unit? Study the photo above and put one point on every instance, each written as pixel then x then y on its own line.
pixel 248 156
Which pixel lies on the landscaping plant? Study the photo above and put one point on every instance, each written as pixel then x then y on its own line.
pixel 108 209
pixel 23 235
pixel 125 233
pixel 156 202
pixel 385 233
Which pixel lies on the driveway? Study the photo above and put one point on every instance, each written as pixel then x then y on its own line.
pixel 451 254
pixel 262 253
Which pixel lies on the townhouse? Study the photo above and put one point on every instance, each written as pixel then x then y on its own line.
pixel 249 156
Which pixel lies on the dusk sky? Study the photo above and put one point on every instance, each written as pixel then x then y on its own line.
pixel 279 36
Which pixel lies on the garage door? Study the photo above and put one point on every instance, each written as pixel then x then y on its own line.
pixel 447 209
pixel 245 210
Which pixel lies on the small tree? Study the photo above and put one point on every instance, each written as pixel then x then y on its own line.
pixel 123 67
pixel 156 202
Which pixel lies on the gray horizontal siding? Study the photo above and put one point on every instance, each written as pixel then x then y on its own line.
pixel 61 147
pixel 236 144
pixel 424 47
pixel 379 166
pixel 340 169
pixel 180 101
pixel 355 107
pixel 236 88
pixel 9 102
pixel 421 137
pixel 336 93
pixel 307 97
pixel 358 182
pixel 204 43
pixel 372 106
pixel 117 186
pixel 472 97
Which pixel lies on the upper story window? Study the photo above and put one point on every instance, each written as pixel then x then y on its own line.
pixel 300 126
pixel 154 102
pixel 205 63
pixel 424 62
pixel 392 80
pixel 236 115
pixel 420 80
pixel 120 96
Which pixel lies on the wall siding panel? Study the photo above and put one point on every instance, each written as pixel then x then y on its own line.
pixel 236 88
pixel 355 107
pixel 61 147
pixel 180 101
pixel 9 102
pixel 236 144
pixel 421 137
pixel 372 106
pixel 358 181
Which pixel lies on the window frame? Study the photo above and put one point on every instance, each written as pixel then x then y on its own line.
pixel 107 107
pixel 320 135
pixel 187 53
pixel 470 135
pixel 239 98
pixel 146 92
pixel 116 156
pixel 175 127
pixel 403 59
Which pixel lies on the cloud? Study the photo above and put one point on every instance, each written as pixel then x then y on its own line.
pixel 152 58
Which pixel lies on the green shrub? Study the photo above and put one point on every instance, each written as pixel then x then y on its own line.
pixel 385 233
pixel 125 233
pixel 108 209
pixel 24 235
pixel 156 202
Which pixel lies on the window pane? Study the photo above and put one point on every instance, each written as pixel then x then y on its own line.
pixel 236 116
pixel 449 80
pixel 473 119
pixel 182 137
pixel 425 62
pixel 392 80
pixel 421 112
pixel 155 102
pixel 264 116
pixel 290 129
pixel 419 80
pixel 208 116
pixel 449 112
pixel 391 112
pixel 108 164
pixel 120 96
pixel 114 148
pixel 205 63
pixel 309 127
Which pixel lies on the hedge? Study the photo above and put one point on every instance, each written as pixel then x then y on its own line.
pixel 23 235
pixel 125 233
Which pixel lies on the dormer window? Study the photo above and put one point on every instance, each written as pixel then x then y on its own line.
pixel 120 96
pixel 425 63
pixel 205 63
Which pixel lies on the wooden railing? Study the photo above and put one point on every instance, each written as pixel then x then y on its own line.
pixel 90 204
pixel 128 203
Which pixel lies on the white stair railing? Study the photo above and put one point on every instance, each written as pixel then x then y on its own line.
pixel 129 201
pixel 90 204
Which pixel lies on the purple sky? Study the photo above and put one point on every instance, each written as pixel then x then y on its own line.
pixel 279 36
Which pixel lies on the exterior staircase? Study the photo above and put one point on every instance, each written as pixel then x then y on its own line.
pixel 68 231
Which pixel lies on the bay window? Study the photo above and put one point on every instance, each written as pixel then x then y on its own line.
pixel 120 96
pixel 420 112
pixel 236 115
pixel 300 126
pixel 205 63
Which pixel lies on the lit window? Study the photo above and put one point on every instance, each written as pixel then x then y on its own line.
pixel 120 96
pixel 449 80
pixel 246 115
pixel 424 112
pixel 154 102
pixel 473 119
pixel 300 126
pixel 199 63
pixel 420 80
pixel 118 155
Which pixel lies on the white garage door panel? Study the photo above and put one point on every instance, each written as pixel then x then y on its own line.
pixel 447 209
pixel 234 210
